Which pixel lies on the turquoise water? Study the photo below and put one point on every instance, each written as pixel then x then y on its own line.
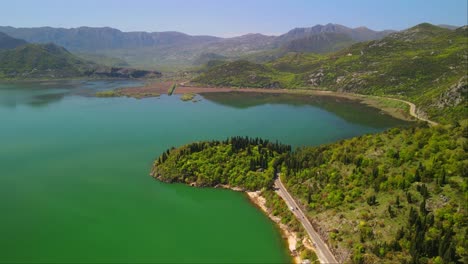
pixel 74 184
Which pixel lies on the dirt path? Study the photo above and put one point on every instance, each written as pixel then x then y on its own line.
pixel 412 111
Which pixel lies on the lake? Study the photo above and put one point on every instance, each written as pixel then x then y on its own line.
pixel 74 172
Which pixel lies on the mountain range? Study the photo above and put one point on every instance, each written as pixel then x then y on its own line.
pixel 425 64
pixel 7 42
pixel 21 60
pixel 169 50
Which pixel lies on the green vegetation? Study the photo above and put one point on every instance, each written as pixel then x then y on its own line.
pixel 187 97
pixel 7 42
pixel 35 60
pixel 120 92
pixel 243 74
pixel 279 208
pixel 173 51
pixel 171 89
pixel 103 60
pixel 397 196
pixel 143 95
pixel 110 93
pixel 320 43
pixel 389 103
pixel 237 162
pixel 245 163
pixel 425 64
pixel 209 57
pixel 49 61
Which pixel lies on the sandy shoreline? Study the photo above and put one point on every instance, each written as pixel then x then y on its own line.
pixel 290 236
pixel 258 200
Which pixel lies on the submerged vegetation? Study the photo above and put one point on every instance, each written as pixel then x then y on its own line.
pixel 397 196
pixel 120 93
pixel 171 89
pixel 110 93
pixel 188 97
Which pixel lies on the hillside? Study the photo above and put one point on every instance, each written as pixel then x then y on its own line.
pixel 356 34
pixel 393 197
pixel 198 162
pixel 425 64
pixel 102 60
pixel 241 74
pixel 173 50
pixel 7 42
pixel 319 43
pixel 34 60
pixel 52 61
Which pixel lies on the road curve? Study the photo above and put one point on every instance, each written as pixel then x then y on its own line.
pixel 321 249
pixel 412 111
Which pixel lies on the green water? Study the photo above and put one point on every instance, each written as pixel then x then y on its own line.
pixel 74 184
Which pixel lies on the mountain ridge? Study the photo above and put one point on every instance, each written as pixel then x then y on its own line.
pixel 8 42
pixel 424 64
pixel 170 48
pixel 39 61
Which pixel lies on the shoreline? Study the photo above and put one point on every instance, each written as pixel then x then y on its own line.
pixel 403 112
pixel 289 237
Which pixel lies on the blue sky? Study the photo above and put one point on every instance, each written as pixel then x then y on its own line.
pixel 230 17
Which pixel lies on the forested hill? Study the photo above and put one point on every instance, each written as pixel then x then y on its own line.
pixel 398 196
pixel 238 162
pixel 425 64
pixel 52 61
pixel 393 197
pixel 176 50
pixel 7 42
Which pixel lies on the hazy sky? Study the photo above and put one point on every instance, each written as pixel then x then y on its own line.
pixel 230 17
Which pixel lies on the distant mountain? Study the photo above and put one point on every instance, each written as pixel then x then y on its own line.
pixel 7 42
pixel 241 45
pixel 168 50
pixel 319 43
pixel 103 60
pixel 52 61
pixel 425 64
pixel 452 27
pixel 356 34
pixel 88 39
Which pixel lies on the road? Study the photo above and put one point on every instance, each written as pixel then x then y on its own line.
pixel 323 252
pixel 412 111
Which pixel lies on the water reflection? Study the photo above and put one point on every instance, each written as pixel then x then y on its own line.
pixel 42 93
pixel 350 110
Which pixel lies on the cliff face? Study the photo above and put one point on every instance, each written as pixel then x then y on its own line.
pixel 455 95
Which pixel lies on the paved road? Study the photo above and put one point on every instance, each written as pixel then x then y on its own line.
pixel 323 253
